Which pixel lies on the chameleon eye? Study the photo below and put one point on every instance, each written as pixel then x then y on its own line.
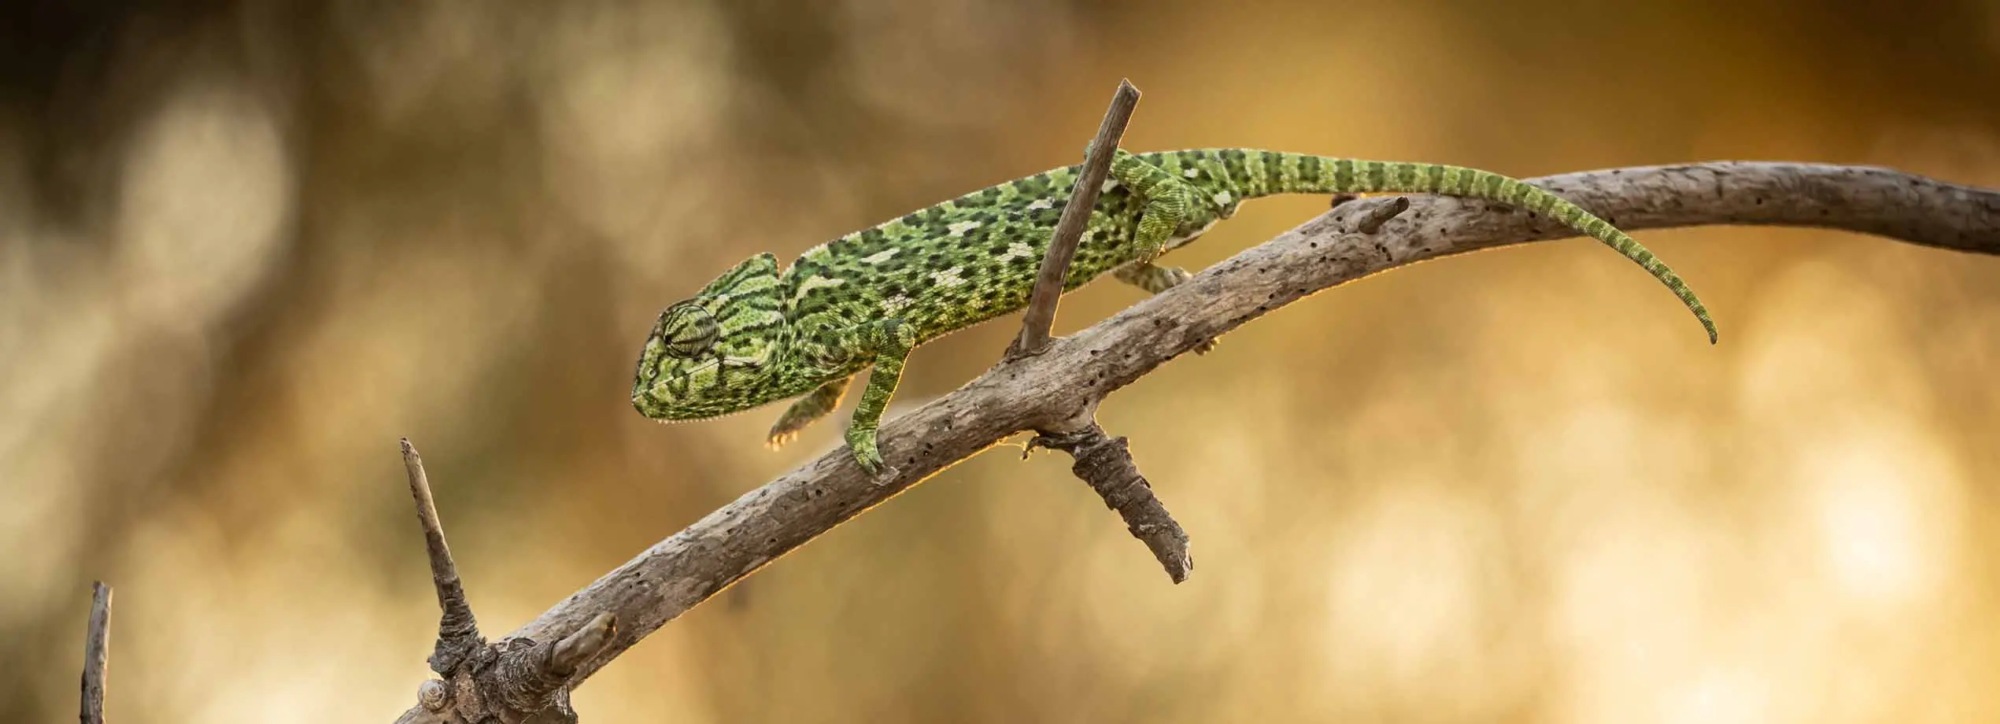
pixel 687 330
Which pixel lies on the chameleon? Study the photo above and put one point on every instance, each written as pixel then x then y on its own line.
pixel 757 334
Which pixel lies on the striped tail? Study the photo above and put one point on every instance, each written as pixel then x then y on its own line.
pixel 1267 173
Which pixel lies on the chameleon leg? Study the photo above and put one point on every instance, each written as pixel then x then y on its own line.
pixel 1168 201
pixel 1155 279
pixel 813 406
pixel 889 341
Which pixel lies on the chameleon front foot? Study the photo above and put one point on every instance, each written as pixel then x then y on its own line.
pixel 778 438
pixel 804 412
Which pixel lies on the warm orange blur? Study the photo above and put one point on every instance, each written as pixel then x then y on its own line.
pixel 244 248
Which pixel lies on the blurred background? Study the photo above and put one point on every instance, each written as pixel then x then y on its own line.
pixel 246 246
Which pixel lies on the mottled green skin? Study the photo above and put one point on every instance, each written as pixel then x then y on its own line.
pixel 756 335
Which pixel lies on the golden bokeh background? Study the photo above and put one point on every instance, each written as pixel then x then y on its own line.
pixel 246 246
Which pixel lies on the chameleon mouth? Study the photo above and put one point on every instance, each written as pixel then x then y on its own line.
pixel 673 416
pixel 698 417
pixel 680 398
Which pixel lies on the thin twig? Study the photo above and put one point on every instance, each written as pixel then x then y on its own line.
pixel 458 631
pixel 570 653
pixel 1372 218
pixel 1105 463
pixel 1041 314
pixel 96 653
pixel 1073 374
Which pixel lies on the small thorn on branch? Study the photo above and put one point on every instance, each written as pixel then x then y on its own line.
pixel 1106 464
pixel 96 653
pixel 1041 314
pixel 580 646
pixel 534 676
pixel 458 632
pixel 1374 216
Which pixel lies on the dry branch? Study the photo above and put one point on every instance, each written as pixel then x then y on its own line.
pixel 458 631
pixel 515 681
pixel 1103 463
pixel 1041 314
pixel 1372 219
pixel 96 653
pixel 1067 380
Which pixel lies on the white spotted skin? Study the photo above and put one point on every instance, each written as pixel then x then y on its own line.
pixel 970 259
pixel 809 284
pixel 948 277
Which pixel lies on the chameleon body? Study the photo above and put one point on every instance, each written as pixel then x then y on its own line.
pixel 757 334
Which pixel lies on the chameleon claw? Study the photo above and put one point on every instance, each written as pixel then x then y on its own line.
pixel 872 464
pixel 868 456
pixel 785 431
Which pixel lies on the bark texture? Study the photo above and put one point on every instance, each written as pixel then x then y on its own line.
pixel 1059 388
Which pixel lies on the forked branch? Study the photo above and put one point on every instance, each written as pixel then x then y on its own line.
pixel 518 680
pixel 1068 379
pixel 1102 462
pixel 458 631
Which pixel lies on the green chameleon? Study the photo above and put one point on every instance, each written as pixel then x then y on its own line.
pixel 756 334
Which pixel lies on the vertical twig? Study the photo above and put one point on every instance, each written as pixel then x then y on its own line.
pixel 458 631
pixel 96 653
pixel 1101 461
pixel 1041 314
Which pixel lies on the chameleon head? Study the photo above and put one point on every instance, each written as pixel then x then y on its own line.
pixel 717 352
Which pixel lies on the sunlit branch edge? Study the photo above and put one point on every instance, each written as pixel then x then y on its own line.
pixel 1074 373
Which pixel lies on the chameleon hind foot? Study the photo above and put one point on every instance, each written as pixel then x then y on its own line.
pixel 1168 201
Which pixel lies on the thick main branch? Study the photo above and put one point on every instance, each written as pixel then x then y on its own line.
pixel 1075 372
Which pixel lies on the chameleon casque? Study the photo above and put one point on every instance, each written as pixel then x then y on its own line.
pixel 757 334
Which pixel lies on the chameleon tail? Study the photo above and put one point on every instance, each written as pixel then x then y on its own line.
pixel 1273 173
